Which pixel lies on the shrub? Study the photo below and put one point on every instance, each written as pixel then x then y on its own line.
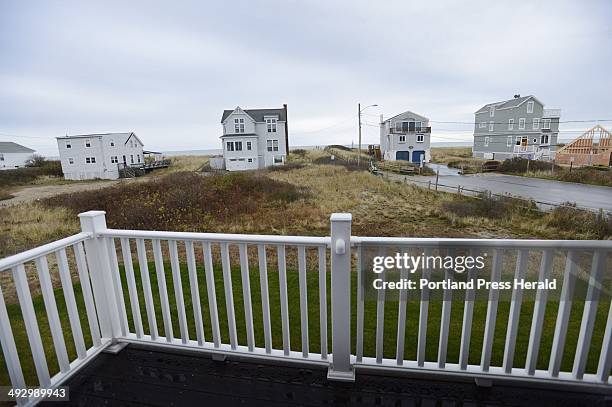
pixel 182 200
pixel 27 175
pixel 339 147
pixel 569 217
pixel 36 161
pixel 349 165
pixel 518 165
pixel 287 167
pixel 299 152
pixel 487 206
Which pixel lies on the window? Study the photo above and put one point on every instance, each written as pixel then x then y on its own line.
pixel 483 125
pixel 509 141
pixel 522 123
pixel 510 124
pixel 278 160
pixel 1 157
pixel 544 139
pixel 411 126
pixel 272 145
pixel 529 107
pixel 90 160
pixel 398 126
pixel 418 126
pixel 491 126
pixel 114 159
pixel 70 160
pixel 87 143
pixel 486 141
pixel 68 144
pixel 124 161
pixel 230 146
pixel 271 124
pixel 492 111
pixel 546 124
pixel 238 145
pixel 112 143
pixel 536 123
pixel 131 158
pixel 420 138
pixel 250 160
pixel 518 140
pixel 535 140
pixel 402 139
pixel 248 145
pixel 238 125
pixel 138 155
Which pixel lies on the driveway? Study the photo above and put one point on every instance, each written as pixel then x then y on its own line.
pixel 544 191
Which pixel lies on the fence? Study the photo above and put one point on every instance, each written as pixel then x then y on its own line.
pixel 119 306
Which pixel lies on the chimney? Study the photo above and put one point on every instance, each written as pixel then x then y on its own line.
pixel 286 129
pixel 517 96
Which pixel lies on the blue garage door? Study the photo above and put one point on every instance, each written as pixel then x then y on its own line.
pixel 402 155
pixel 418 156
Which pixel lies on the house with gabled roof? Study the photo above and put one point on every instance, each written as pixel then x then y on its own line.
pixel 13 155
pixel 518 127
pixel 103 155
pixel 254 138
pixel 405 137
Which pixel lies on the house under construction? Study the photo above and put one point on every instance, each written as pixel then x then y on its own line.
pixel 593 147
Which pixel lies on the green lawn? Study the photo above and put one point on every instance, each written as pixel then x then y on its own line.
pixel 391 311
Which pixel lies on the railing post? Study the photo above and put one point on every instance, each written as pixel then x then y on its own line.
pixel 98 263
pixel 341 368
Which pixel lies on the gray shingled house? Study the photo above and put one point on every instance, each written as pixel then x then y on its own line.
pixel 519 127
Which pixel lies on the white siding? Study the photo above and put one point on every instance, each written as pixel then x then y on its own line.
pixel 11 161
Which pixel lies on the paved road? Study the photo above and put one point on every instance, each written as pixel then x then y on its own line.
pixel 542 190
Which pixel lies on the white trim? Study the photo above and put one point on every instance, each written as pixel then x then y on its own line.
pixel 492 111
pixel 522 123
pixel 536 123
pixel 487 139
pixel 546 124
pixel 509 141
pixel 530 106
pixel 491 126
pixel 421 137
pixel 482 125
pixel 510 124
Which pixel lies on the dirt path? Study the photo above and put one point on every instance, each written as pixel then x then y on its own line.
pixel 33 193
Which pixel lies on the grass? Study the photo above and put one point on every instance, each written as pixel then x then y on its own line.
pixel 29 175
pixel 390 321
pixel 584 175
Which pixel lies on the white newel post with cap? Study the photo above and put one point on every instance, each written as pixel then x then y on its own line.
pixel 341 368
pixel 96 250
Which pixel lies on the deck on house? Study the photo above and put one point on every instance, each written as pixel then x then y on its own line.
pixel 144 375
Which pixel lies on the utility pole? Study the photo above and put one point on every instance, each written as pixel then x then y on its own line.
pixel 359 146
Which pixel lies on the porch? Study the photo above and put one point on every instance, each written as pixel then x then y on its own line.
pixel 299 309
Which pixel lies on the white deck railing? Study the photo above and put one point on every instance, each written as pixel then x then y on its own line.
pixel 105 258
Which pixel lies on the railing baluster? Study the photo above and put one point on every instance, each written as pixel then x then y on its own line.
pixel 539 310
pixel 491 319
pixel 71 306
pixel 212 296
pixel 589 314
pixel 229 294
pixel 195 292
pixel 31 325
pixel 360 303
pixel 565 307
pixel 515 311
pixel 131 282
pixel 447 301
pixel 246 296
pixel 401 318
pixel 323 300
pixel 605 356
pixel 118 286
pixel 380 320
pixel 303 299
pixel 282 280
pixel 178 289
pixel 265 296
pixel 468 314
pixel 9 349
pixel 55 326
pixel 90 309
pixel 423 314
pixel 146 287
pixel 163 289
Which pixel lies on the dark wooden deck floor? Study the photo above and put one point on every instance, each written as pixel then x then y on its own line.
pixel 139 376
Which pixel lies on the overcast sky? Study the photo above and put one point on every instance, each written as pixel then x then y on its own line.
pixel 166 70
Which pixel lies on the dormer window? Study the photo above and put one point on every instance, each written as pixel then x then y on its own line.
pixel 529 107
pixel 238 125
pixel 271 125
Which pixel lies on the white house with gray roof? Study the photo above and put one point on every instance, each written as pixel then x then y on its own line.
pixel 518 127
pixel 90 156
pixel 254 138
pixel 13 155
pixel 405 137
